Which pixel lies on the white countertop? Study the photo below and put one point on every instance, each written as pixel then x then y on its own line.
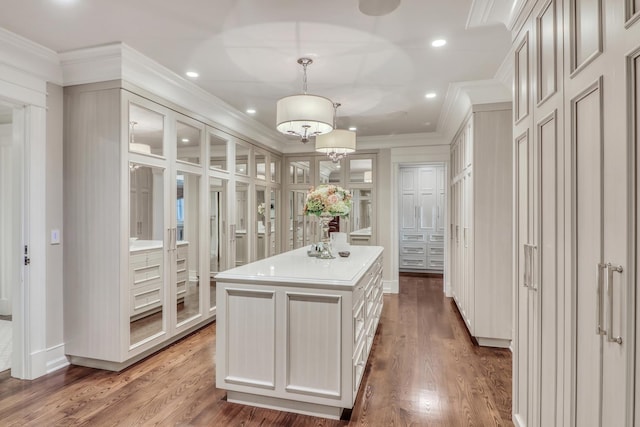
pixel 361 232
pixel 296 267
pixel 143 245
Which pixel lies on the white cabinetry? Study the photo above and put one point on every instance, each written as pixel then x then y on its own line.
pixel 295 333
pixel 575 136
pixel 481 197
pixel 422 197
pixel 132 225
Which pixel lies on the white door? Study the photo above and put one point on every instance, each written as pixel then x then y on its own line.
pixel 602 303
pixel 13 252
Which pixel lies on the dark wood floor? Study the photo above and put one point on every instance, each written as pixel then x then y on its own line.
pixel 423 370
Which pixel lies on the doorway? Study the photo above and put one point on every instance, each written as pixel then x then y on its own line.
pixel 11 224
pixel 422 217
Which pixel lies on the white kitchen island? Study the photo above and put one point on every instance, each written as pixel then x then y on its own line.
pixel 294 332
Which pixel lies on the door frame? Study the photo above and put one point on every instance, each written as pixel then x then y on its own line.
pixel 29 296
pixel 414 157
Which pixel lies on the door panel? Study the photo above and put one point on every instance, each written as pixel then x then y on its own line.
pixel 587 240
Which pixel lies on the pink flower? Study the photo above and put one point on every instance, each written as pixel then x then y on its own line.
pixel 333 199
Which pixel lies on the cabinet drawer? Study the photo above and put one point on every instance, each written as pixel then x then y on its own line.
pixel 359 365
pixel 143 275
pixel 152 256
pixel 413 262
pixel 413 237
pixel 181 288
pixel 358 324
pixel 360 240
pixel 145 298
pixel 436 238
pixel 413 249
pixel 436 251
pixel 436 264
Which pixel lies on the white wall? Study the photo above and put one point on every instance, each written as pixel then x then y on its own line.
pixel 54 301
pixel 7 212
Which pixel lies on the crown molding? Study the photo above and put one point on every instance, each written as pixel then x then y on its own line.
pixel 29 57
pixel 462 95
pixel 505 72
pixel 120 61
pixel 489 12
pixel 519 13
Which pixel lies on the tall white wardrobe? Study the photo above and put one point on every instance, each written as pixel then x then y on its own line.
pixel 422 217
pixel 575 136
pixel 481 232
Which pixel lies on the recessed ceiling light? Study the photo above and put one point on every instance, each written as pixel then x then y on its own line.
pixel 185 139
pixel 192 74
pixel 353 128
pixel 251 111
pixel 438 43
pixel 430 95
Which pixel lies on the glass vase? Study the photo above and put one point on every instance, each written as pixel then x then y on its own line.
pixel 325 219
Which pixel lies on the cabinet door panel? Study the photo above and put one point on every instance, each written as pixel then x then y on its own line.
pixel 587 239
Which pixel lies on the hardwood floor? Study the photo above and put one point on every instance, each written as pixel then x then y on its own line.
pixel 423 370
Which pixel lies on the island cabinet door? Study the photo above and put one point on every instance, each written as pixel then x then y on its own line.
pixel 314 337
pixel 246 334
pixel 285 342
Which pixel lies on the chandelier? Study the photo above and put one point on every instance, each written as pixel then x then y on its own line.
pixel 337 143
pixel 304 115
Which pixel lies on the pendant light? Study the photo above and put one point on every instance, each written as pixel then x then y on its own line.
pixel 304 115
pixel 337 143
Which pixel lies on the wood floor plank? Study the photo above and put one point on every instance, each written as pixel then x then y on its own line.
pixel 424 370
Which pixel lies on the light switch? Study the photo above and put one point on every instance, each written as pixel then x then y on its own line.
pixel 55 237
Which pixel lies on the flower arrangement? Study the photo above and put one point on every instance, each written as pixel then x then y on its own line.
pixel 328 200
pixel 261 208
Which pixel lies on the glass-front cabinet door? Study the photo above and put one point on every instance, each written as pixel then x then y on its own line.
pixel 218 259
pixel 146 130
pixel 147 267
pixel 185 244
pixel 242 225
pixel 300 232
pixel 262 215
pixel 329 172
pixel 218 150
pixel 188 143
pixel 273 238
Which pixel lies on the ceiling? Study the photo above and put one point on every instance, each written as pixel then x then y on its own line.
pixel 245 51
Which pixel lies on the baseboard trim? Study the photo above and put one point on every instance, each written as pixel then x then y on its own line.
pixel 390 287
pixel 56 358
pixel 494 342
pixel 119 366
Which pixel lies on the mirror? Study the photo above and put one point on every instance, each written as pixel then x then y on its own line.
pixel 217 152
pixel 261 166
pixel 146 130
pixel 242 214
pixel 146 252
pixel 361 170
pixel 262 214
pixel 330 173
pixel 360 217
pixel 299 223
pixel 275 170
pixel 188 143
pixel 186 244
pixel 217 233
pixel 274 197
pixel 299 172
pixel 242 159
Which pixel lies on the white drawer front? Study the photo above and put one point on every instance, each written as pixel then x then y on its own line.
pixel 413 262
pixel 409 249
